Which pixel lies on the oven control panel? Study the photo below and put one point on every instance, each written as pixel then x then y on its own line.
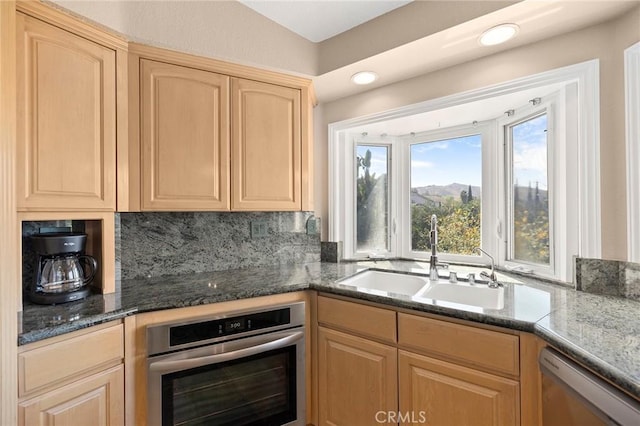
pixel 189 333
pixel 200 331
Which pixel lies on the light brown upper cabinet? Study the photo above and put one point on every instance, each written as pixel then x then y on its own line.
pixel 266 146
pixel 211 135
pixel 66 120
pixel 185 138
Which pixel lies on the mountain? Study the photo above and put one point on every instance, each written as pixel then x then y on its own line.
pixel 438 193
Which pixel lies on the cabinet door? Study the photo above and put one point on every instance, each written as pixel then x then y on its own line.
pixel 357 380
pixel 266 147
pixel 445 394
pixel 185 138
pixel 97 400
pixel 66 120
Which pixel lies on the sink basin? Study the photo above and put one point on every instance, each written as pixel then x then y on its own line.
pixel 420 289
pixel 386 282
pixel 474 295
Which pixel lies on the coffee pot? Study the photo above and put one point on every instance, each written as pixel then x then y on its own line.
pixel 62 271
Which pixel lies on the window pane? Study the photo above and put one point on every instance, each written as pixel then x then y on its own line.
pixel 372 189
pixel 530 200
pixel 446 180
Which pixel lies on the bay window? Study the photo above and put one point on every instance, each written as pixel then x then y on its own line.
pixel 508 183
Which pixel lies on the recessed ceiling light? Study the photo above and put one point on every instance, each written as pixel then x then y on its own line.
pixel 498 34
pixel 364 77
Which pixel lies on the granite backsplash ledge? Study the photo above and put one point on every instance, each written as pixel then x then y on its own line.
pixel 608 277
pixel 156 244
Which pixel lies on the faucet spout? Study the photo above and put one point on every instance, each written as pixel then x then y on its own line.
pixel 491 276
pixel 434 234
pixel 433 261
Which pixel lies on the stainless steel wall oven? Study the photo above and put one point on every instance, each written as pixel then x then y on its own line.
pixel 241 368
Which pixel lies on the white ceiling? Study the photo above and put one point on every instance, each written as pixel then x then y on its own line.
pixel 318 20
pixel 538 20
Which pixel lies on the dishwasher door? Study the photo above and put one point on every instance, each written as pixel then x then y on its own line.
pixel 572 395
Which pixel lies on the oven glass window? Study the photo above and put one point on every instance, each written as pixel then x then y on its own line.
pixel 256 390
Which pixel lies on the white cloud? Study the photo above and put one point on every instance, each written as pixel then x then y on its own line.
pixel 378 166
pixel 530 161
pixel 421 164
pixel 426 147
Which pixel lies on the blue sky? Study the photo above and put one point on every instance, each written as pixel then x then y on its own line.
pixel 530 152
pixel 379 156
pixel 456 160
pixel 459 160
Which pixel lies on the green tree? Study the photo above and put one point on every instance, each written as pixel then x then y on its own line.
pixel 531 226
pixel 370 217
pixel 366 181
pixel 458 225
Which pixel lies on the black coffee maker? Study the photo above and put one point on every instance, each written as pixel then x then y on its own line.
pixel 63 273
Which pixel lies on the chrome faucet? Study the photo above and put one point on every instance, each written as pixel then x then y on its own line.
pixel 491 277
pixel 433 261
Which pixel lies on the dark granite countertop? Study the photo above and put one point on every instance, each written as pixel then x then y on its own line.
pixel 600 332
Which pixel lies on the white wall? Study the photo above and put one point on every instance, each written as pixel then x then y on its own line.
pixel 225 30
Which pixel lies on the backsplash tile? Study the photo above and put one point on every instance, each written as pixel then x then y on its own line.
pixel 608 277
pixel 331 251
pixel 632 280
pixel 154 244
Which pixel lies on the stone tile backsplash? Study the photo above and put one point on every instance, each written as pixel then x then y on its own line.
pixel 331 251
pixel 154 244
pixel 608 277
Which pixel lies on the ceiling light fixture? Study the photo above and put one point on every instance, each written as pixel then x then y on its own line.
pixel 498 34
pixel 364 77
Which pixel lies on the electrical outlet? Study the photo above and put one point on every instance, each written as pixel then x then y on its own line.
pixel 312 225
pixel 259 229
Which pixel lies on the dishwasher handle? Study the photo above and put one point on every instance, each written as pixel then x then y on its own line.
pixel 185 364
pixel 592 390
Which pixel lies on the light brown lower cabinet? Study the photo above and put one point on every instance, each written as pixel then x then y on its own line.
pixel 436 392
pixel 357 381
pixel 97 400
pixel 432 371
pixel 75 379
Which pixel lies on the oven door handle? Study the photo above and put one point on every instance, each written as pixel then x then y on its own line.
pixel 163 366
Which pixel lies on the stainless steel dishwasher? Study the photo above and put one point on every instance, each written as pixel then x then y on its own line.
pixel 574 396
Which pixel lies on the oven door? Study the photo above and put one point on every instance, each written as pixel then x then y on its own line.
pixel 257 380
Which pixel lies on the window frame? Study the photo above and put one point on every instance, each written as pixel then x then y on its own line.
pixel 563 166
pixel 583 115
pixel 632 130
pixel 506 124
pixel 391 199
pixel 349 176
pixel 486 130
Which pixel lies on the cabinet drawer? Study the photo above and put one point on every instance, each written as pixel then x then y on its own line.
pixel 47 365
pixel 484 349
pixel 360 319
